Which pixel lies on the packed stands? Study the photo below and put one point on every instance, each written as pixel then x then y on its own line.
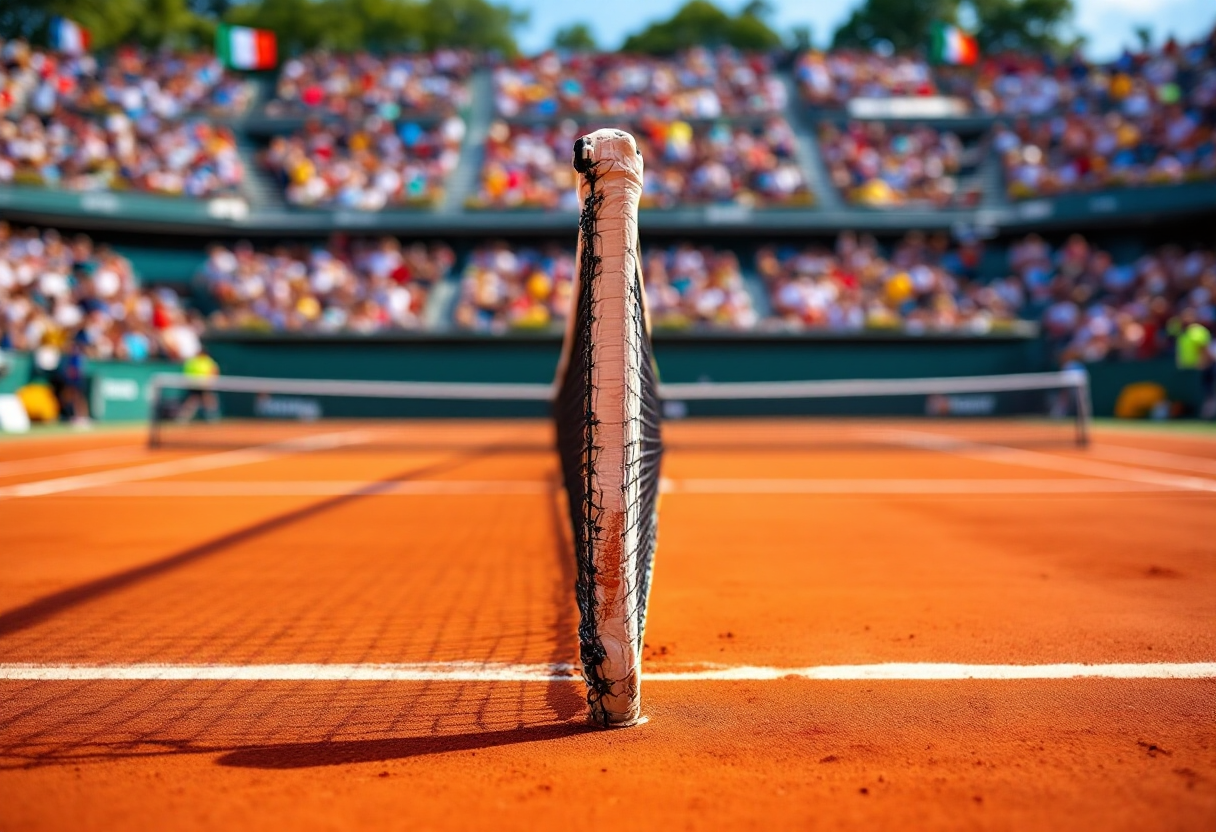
pixel 699 84
pixel 752 163
pixel 362 286
pixel 366 165
pixel 195 158
pixel 1089 152
pixel 697 287
pixel 687 287
pixel 166 84
pixel 1094 308
pixel 356 86
pixel 504 288
pixel 66 294
pixel 922 284
pixel 876 164
pixel 831 79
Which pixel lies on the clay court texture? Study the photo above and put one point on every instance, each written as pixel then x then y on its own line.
pixel 880 625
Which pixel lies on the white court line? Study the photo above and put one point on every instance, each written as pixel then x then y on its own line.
pixel 77 459
pixel 904 486
pixel 416 488
pixel 1050 462
pixel 319 488
pixel 1159 459
pixel 496 672
pixel 186 465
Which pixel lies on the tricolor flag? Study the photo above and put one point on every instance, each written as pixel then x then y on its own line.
pixel 69 36
pixel 951 45
pixel 240 47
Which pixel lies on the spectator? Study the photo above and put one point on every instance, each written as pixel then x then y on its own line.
pixel 366 166
pixel 832 79
pixel 698 84
pixel 1087 152
pixel 507 288
pixel 195 158
pixel 923 285
pixel 1096 309
pixel 360 85
pixel 167 85
pixel 528 166
pixel 361 286
pixel 64 295
pixel 881 165
pixel 697 287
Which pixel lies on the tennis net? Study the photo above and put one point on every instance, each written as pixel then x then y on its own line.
pixel 239 411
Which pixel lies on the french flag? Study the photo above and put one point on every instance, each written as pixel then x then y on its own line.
pixel 69 37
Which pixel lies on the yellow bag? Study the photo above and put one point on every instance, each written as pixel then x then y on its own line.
pixel 39 402
pixel 1136 401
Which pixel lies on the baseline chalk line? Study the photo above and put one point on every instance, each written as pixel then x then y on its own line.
pixel 497 672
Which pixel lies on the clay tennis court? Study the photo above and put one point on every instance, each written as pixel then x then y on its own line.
pixel 372 626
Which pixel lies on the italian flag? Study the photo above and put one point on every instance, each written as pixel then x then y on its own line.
pixel 951 45
pixel 240 47
pixel 69 36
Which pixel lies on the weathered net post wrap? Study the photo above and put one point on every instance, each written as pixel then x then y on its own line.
pixel 607 414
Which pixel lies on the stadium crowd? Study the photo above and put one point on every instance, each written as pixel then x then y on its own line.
pixel 1136 83
pixel 687 286
pixel 832 79
pixel 356 86
pixel 361 285
pixel 166 84
pixel 881 165
pixel 922 284
pixel 1166 146
pixel 60 295
pixel 195 158
pixel 366 165
pixel 698 84
pixel 686 164
pixel 1094 308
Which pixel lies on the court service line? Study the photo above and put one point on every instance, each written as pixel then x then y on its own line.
pixel 1050 462
pixel 76 459
pixel 1157 459
pixel 415 488
pixel 185 465
pixel 496 672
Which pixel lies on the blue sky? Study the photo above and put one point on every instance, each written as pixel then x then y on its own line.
pixel 1107 23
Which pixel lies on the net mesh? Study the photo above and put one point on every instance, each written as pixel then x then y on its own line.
pixel 614 559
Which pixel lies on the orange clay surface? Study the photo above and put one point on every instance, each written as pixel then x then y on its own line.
pixel 1093 558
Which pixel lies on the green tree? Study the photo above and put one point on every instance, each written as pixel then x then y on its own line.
pixel 342 25
pixel 380 25
pixel 1003 25
pixel 1023 25
pixel 110 22
pixel 473 24
pixel 701 23
pixel 904 23
pixel 577 37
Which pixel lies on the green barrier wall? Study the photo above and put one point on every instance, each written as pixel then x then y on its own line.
pixel 18 372
pixel 681 358
pixel 1108 379
pixel 119 391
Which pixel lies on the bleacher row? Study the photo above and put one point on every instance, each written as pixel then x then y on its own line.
pixel 59 291
pixel 372 133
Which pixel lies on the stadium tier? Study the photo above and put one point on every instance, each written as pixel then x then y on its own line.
pixel 451 143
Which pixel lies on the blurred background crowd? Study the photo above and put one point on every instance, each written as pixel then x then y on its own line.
pixel 719 126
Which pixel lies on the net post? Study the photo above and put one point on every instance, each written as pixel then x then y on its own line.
pixel 1084 407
